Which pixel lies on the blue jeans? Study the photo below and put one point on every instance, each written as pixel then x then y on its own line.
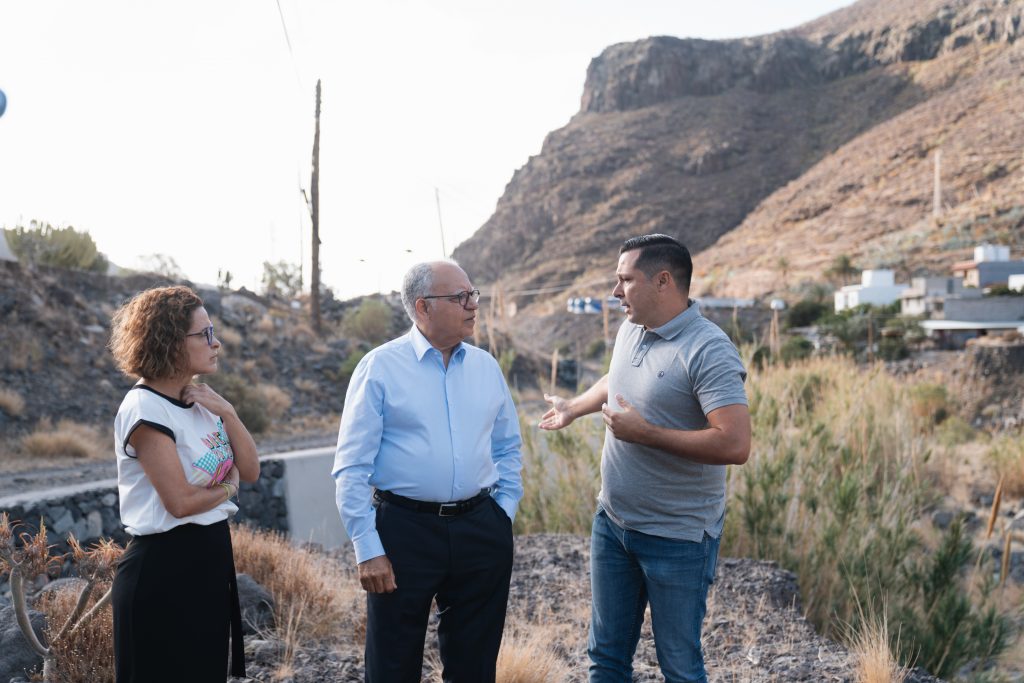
pixel 628 569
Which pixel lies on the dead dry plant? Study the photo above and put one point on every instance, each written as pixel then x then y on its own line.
pixel 88 656
pixel 310 592
pixel 68 438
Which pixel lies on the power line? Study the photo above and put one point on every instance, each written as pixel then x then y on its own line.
pixel 288 42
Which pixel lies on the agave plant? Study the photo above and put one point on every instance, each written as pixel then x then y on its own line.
pixel 32 558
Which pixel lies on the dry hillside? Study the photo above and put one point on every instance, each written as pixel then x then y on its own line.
pixel 801 145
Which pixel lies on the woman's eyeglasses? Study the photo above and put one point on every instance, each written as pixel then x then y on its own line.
pixel 205 332
pixel 462 298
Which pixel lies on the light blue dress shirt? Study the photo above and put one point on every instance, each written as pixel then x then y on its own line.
pixel 423 431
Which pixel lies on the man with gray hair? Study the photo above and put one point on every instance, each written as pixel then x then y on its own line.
pixel 428 481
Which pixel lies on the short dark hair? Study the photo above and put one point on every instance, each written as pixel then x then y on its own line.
pixel 148 333
pixel 660 252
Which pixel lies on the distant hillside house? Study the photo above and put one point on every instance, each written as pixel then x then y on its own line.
pixel 877 288
pixel 991 266
pixel 926 295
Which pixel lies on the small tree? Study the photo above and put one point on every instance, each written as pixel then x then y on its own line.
pixel 842 270
pixel 33 558
pixel 162 264
pixel 282 279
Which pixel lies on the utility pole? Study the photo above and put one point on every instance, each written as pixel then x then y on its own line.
pixel 314 211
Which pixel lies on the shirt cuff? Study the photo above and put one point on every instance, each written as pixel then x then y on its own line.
pixel 507 503
pixel 367 547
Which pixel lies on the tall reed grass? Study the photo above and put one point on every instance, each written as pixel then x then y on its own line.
pixel 835 490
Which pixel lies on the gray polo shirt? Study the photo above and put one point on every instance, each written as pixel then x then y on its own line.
pixel 674 376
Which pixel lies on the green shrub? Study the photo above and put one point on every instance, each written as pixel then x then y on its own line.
pixel 795 349
pixel 348 366
pixel 892 348
pixel 943 630
pixel 929 403
pixel 370 322
pixel 806 312
pixel 43 244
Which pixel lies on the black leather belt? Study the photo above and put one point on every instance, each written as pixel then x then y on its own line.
pixel 452 509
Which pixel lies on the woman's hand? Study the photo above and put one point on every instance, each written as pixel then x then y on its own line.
pixel 232 477
pixel 207 398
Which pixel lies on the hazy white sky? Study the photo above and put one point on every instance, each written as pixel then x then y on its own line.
pixel 186 128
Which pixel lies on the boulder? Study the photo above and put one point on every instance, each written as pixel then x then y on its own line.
pixel 257 606
pixel 16 656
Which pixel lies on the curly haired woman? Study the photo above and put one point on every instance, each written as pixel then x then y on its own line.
pixel 181 451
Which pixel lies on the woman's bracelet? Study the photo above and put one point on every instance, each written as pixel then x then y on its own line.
pixel 229 489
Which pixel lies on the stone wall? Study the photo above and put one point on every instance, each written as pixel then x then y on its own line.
pixel 90 511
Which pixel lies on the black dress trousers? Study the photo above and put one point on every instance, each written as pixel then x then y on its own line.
pixel 463 561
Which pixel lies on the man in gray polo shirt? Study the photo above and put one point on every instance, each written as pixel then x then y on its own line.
pixel 676 413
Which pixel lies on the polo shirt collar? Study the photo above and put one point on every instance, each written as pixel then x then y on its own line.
pixel 676 325
pixel 420 345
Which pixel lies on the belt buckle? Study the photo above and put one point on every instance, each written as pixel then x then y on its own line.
pixel 454 510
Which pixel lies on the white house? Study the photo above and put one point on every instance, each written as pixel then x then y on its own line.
pixel 991 266
pixel 926 295
pixel 877 287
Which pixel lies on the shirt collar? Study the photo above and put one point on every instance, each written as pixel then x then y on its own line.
pixel 676 325
pixel 420 345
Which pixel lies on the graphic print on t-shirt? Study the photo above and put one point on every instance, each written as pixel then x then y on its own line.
pixel 213 466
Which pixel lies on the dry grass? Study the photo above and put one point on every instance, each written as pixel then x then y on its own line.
pixel 265 324
pixel 1007 454
pixel 873 658
pixel 88 657
pixel 11 402
pixel 21 352
pixel 229 337
pixel 527 657
pixel 306 386
pixel 276 400
pixel 68 438
pixel 313 597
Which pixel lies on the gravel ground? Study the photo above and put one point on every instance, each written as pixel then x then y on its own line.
pixel 753 632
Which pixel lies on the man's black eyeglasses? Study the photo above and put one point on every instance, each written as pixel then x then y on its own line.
pixel 462 298
pixel 205 332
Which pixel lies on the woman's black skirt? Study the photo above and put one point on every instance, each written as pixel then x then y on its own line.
pixel 175 602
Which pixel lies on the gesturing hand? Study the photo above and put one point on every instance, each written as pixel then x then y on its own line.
pixel 626 424
pixel 376 575
pixel 558 415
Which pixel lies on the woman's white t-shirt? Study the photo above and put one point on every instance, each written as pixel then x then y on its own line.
pixel 203 449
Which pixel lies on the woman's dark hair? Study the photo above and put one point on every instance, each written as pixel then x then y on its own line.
pixel 147 336
pixel 661 252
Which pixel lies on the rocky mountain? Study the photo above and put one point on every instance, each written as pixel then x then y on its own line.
pixel 771 155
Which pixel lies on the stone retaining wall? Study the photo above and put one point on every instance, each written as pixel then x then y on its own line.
pixel 90 511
